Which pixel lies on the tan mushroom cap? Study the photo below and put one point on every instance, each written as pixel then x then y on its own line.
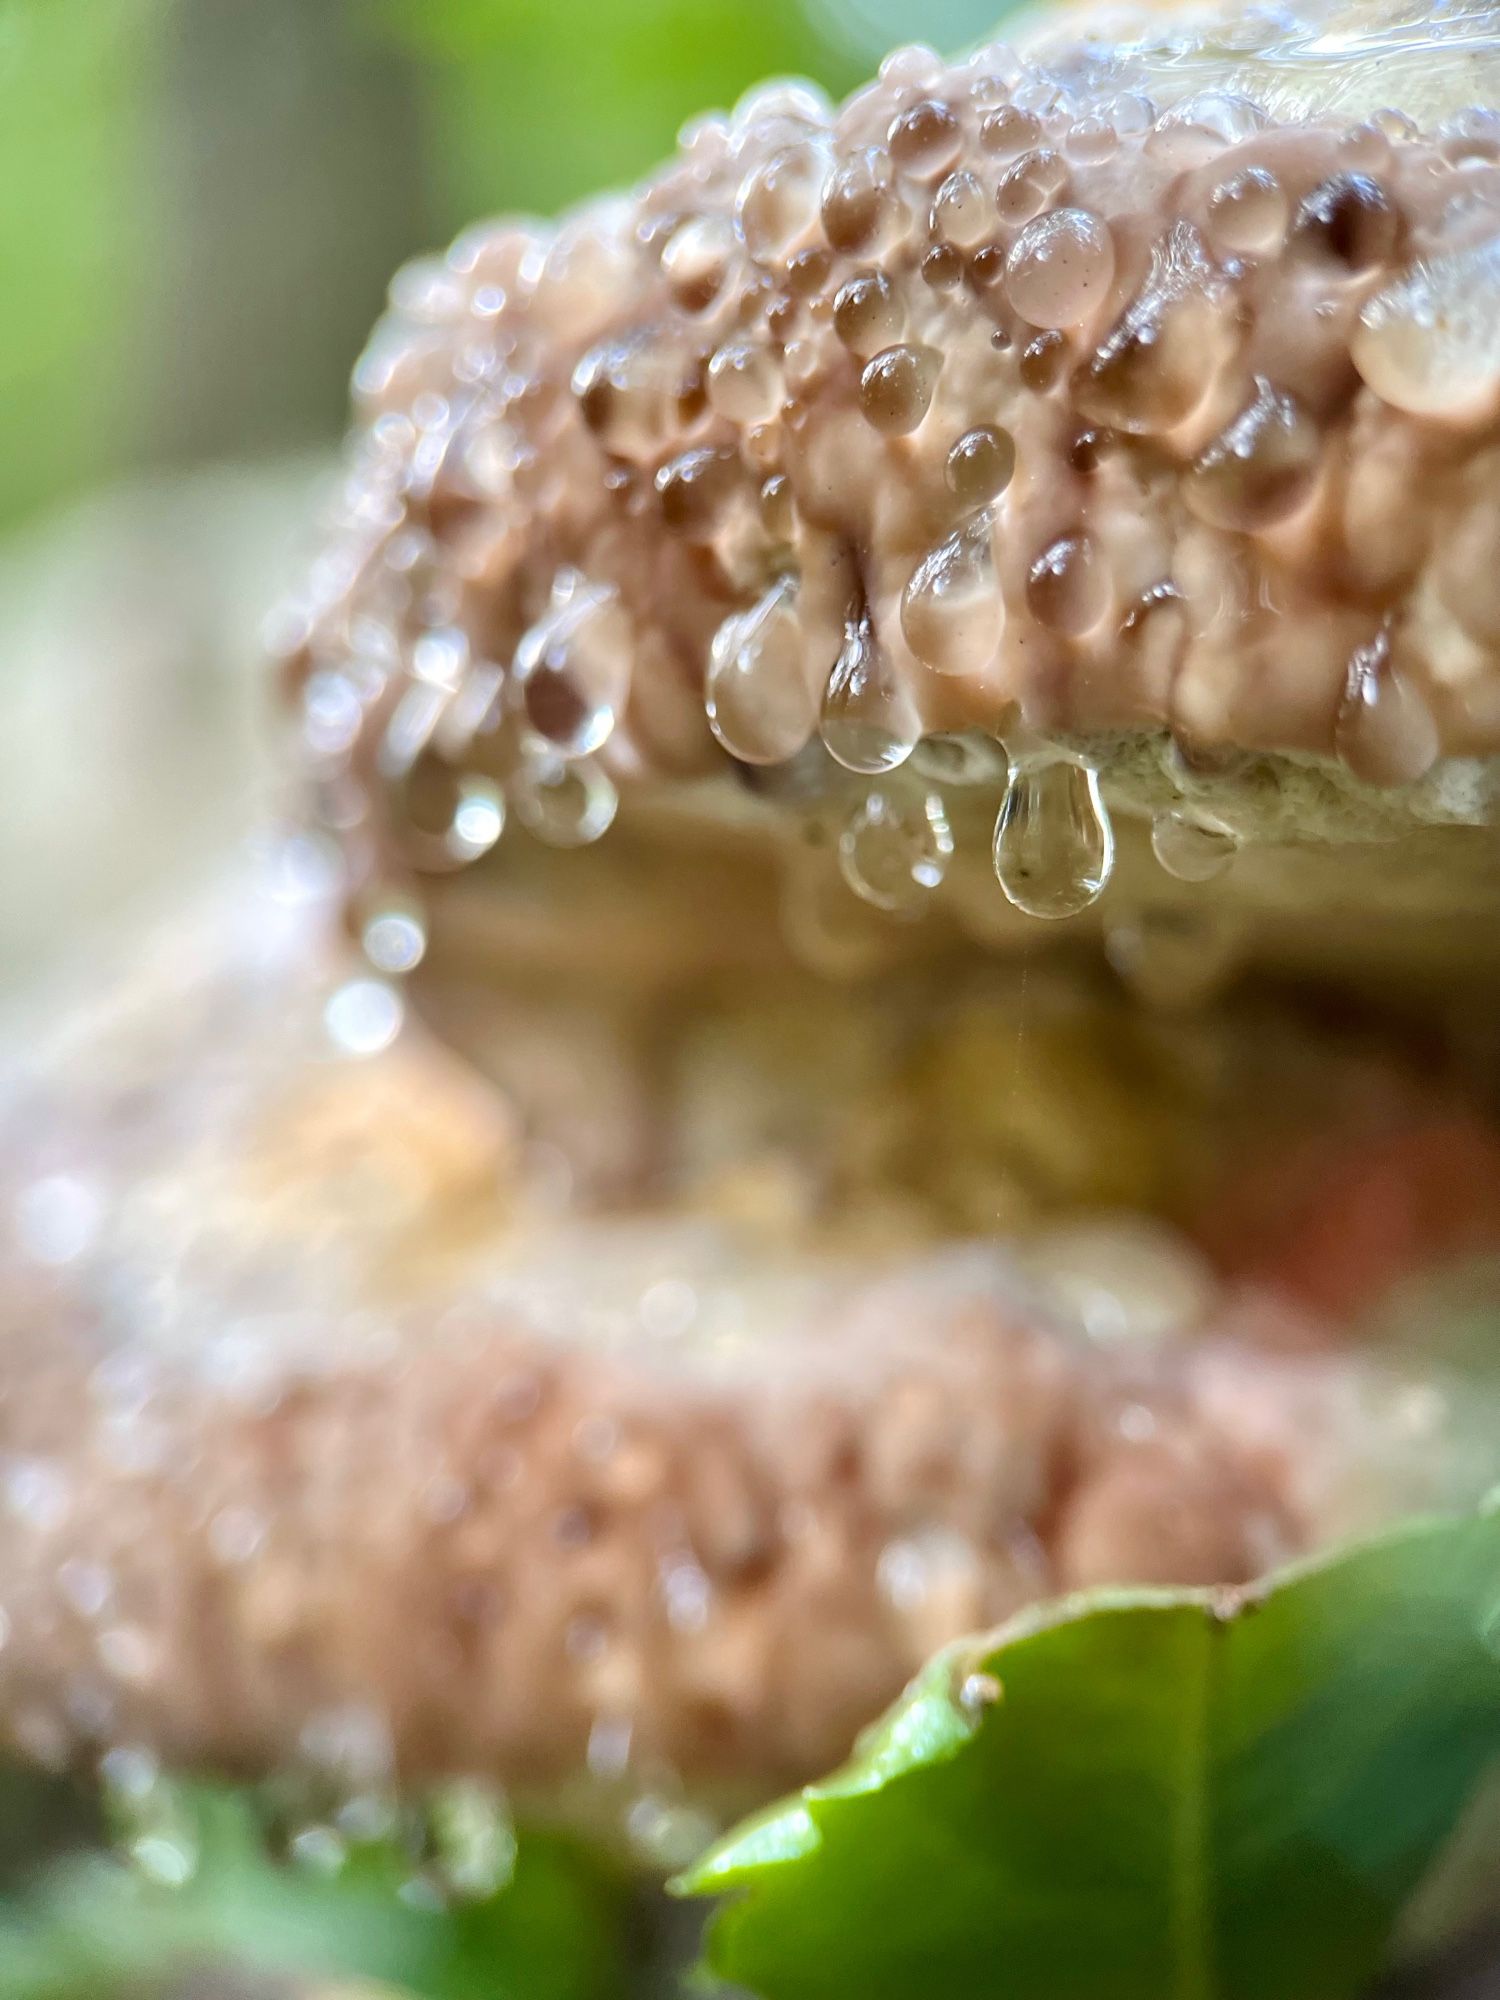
pixel 1133 397
pixel 328 1439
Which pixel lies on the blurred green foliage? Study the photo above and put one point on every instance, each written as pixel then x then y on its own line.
pixel 94 1927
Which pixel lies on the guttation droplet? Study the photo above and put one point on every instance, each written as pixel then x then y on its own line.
pixel 895 849
pixel 759 695
pixel 572 668
pixel 951 611
pixel 1054 844
pixel 564 804
pixel 1190 848
pixel 869 722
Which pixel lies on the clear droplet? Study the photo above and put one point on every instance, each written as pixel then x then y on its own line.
pixel 395 938
pixel 572 668
pixel 869 722
pixel 1068 587
pixel 1430 343
pixel 780 199
pixel 1164 354
pixel 868 314
pixel 980 465
pixel 1031 185
pixel 962 213
pixel 627 389
pixel 363 1017
pixel 861 211
pixel 474 1839
pixel 1060 267
pixel 1190 848
pixel 759 695
pixel 449 817
pixel 952 611
pixel 564 804
pixel 1385 731
pixel 895 849
pixel 895 390
pixel 1054 844
pixel 1248 212
pixel 744 382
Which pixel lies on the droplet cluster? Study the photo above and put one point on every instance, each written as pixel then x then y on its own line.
pixel 870 422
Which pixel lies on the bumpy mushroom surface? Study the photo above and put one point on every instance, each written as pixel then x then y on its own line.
pixel 337 1432
pixel 1131 397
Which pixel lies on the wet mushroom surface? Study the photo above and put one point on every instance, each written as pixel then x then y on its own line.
pixel 878 1003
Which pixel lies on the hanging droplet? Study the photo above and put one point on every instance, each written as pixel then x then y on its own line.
pixel 449 817
pixel 952 611
pixel 1054 844
pixel 394 935
pixel 564 804
pixel 895 849
pixel 869 722
pixel 1190 848
pixel 572 668
pixel 758 695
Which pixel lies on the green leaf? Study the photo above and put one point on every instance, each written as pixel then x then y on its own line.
pixel 1172 1796
pixel 96 1929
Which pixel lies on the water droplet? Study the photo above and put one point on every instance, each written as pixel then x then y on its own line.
pixel 895 390
pixel 697 489
pixel 759 696
pixel 979 1693
pixel 744 382
pixel 861 210
pixel 1385 731
pixel 779 200
pixel 1430 343
pixel 627 389
pixel 1091 140
pixel 951 610
pixel 1248 212
pixel 980 465
pixel 1054 844
pixel 1009 131
pixel 869 722
pixel 1060 267
pixel 1347 223
pixel 895 849
pixel 925 137
pixel 962 213
pixel 1033 183
pixel 572 668
pixel 473 1838
pixel 448 817
pixel 1068 586
pixel 395 938
pixel 564 804
pixel 697 261
pixel 363 1017
pixel 868 314
pixel 1191 848
pixel 1261 469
